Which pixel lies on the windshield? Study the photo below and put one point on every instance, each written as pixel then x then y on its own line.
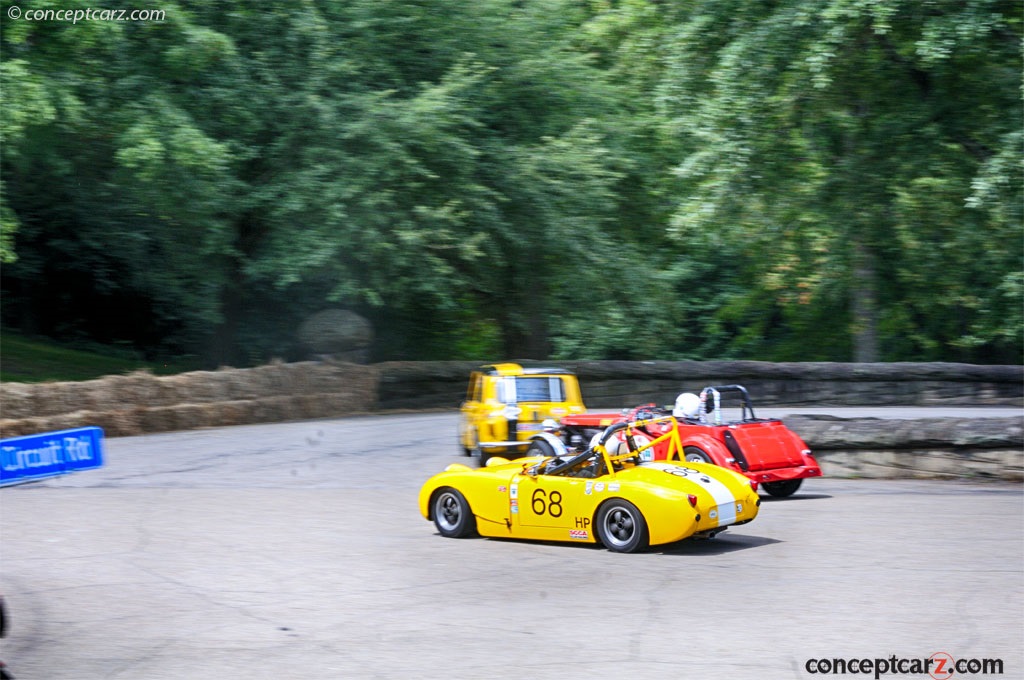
pixel 533 388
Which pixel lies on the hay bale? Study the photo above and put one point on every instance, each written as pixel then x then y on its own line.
pixel 23 426
pixel 17 400
pixel 339 404
pixel 198 387
pixel 69 421
pixel 245 411
pixel 159 419
pixel 273 380
pixel 230 413
pixel 250 383
pixel 167 391
pixel 292 379
pixel 87 395
pixel 138 388
pixel 123 423
pixel 272 409
pixel 348 378
pixel 13 428
pixel 192 416
pixel 52 399
pixel 309 406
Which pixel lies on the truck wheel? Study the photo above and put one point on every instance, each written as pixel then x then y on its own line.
pixel 539 447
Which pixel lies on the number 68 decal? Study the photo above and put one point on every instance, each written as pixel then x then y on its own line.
pixel 681 471
pixel 541 503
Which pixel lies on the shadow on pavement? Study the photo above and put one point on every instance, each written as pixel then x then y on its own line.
pixel 723 543
pixel 790 499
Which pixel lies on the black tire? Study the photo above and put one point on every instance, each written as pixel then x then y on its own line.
pixel 452 515
pixel 468 451
pixel 539 447
pixel 621 527
pixel 782 489
pixel 691 454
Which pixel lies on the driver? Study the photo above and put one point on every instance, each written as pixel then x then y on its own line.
pixel 687 406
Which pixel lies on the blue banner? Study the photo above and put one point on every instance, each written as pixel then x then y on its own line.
pixel 35 456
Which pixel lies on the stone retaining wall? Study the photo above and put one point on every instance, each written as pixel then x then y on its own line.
pixel 987 448
pixel 612 384
pixel 926 448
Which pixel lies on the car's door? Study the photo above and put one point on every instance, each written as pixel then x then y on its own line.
pixel 550 502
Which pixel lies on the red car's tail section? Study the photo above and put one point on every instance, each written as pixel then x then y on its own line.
pixel 768 445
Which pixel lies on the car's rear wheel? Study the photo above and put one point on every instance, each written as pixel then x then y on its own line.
pixel 691 454
pixel 621 527
pixel 782 489
pixel 452 515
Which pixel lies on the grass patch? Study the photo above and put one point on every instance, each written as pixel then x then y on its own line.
pixel 25 359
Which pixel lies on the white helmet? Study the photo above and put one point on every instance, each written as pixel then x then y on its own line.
pixel 687 405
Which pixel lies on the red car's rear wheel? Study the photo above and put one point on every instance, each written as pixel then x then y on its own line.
pixel 691 454
pixel 782 489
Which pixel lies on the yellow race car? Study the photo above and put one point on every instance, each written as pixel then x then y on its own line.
pixel 591 495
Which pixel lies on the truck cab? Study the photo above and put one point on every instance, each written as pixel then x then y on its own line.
pixel 507 404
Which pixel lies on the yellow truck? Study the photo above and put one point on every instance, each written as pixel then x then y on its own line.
pixel 507 405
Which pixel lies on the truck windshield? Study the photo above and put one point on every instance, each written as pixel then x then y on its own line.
pixel 533 388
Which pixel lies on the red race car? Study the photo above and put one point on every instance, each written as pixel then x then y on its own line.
pixel 763 449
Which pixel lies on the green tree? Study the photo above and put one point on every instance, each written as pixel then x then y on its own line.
pixel 837 156
pixel 221 173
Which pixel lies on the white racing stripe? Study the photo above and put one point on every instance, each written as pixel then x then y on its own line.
pixel 725 501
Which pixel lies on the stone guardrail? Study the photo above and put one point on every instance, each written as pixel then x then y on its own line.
pixel 924 448
pixel 141 403
pixel 610 384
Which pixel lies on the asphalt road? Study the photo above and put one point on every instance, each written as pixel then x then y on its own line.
pixel 297 551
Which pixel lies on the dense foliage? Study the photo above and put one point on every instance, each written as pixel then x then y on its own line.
pixel 801 180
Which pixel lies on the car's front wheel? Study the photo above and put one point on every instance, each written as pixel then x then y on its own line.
pixel 782 489
pixel 621 527
pixel 452 515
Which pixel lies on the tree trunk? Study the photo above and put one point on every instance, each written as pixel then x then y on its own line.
pixel 865 305
pixel 223 348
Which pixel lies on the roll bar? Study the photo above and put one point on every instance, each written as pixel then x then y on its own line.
pixel 715 393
